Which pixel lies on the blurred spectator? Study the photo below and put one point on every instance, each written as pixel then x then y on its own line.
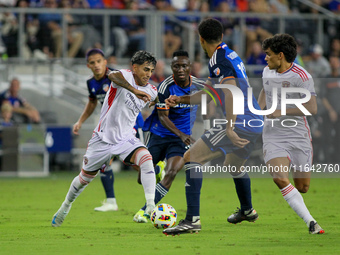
pixel 334 6
pixel 23 112
pixel 134 27
pixel 97 4
pixel 335 47
pixel 298 60
pixel 331 127
pixel 6 115
pixel 191 6
pixel 254 31
pixel 158 75
pixel 171 39
pixel 9 33
pixel 257 55
pixel 279 6
pixel 112 62
pixel 50 33
pixel 241 5
pixel 78 24
pixel 317 65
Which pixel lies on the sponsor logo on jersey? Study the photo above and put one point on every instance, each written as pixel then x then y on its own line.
pixel 232 55
pixel 285 84
pixel 106 87
pixel 217 71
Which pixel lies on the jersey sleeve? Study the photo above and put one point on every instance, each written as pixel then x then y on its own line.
pixel 161 100
pixel 306 83
pixel 92 96
pixel 221 71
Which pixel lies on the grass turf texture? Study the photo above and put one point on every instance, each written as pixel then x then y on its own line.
pixel 27 207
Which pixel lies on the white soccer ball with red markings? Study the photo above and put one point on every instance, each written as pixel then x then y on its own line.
pixel 163 216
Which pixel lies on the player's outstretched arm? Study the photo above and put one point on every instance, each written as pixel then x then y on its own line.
pixel 118 78
pixel 88 110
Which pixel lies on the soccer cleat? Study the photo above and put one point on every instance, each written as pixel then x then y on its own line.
pixel 106 207
pixel 161 174
pixel 60 215
pixel 314 228
pixel 139 217
pixel 148 210
pixel 238 216
pixel 184 227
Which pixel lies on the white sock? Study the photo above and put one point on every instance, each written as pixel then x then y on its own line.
pixel 295 201
pixel 78 184
pixel 111 200
pixel 148 178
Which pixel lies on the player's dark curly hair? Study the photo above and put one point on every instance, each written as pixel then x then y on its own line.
pixel 142 56
pixel 180 53
pixel 282 43
pixel 211 30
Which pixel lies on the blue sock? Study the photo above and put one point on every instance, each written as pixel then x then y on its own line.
pixel 242 185
pixel 161 191
pixel 193 187
pixel 107 179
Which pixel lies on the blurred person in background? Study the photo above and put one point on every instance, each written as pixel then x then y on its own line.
pixel 22 110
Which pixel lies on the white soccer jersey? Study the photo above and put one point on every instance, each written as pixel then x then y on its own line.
pixel 120 109
pixel 286 128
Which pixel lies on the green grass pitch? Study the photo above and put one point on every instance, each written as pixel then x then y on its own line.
pixel 27 207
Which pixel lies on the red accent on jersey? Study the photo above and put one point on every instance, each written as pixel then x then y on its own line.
pixel 112 96
pixel 301 73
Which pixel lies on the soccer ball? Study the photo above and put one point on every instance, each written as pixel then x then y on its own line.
pixel 163 216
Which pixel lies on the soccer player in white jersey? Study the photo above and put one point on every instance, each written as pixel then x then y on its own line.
pixel 286 138
pixel 129 92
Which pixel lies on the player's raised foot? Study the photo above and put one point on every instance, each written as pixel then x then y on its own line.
pixel 107 206
pixel 184 227
pixel 238 216
pixel 148 210
pixel 139 217
pixel 60 215
pixel 160 175
pixel 314 228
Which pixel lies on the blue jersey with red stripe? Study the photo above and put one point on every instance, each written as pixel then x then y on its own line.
pixel 182 115
pixel 225 64
pixel 98 88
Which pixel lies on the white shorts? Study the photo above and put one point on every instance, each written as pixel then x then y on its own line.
pixel 300 155
pixel 99 153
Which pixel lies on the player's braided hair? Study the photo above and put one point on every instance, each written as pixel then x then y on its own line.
pixel 284 43
pixel 142 56
pixel 211 30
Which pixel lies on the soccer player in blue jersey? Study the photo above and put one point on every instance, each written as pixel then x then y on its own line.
pixel 170 128
pixel 235 140
pixel 97 85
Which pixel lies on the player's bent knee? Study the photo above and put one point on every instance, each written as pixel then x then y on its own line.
pixel 303 188
pixel 186 157
pixel 281 182
pixel 171 174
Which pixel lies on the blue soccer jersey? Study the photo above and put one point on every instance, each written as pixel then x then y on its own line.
pixel 225 64
pixel 182 115
pixel 98 88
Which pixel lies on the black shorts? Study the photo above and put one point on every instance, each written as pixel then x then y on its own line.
pixel 165 147
pixel 216 139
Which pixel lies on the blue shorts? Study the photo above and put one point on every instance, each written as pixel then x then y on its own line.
pixel 216 139
pixel 165 147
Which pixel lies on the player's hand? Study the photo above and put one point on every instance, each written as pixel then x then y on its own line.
pixel 187 139
pixel 172 101
pixel 235 139
pixel 154 102
pixel 274 115
pixel 142 95
pixel 76 128
pixel 333 116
